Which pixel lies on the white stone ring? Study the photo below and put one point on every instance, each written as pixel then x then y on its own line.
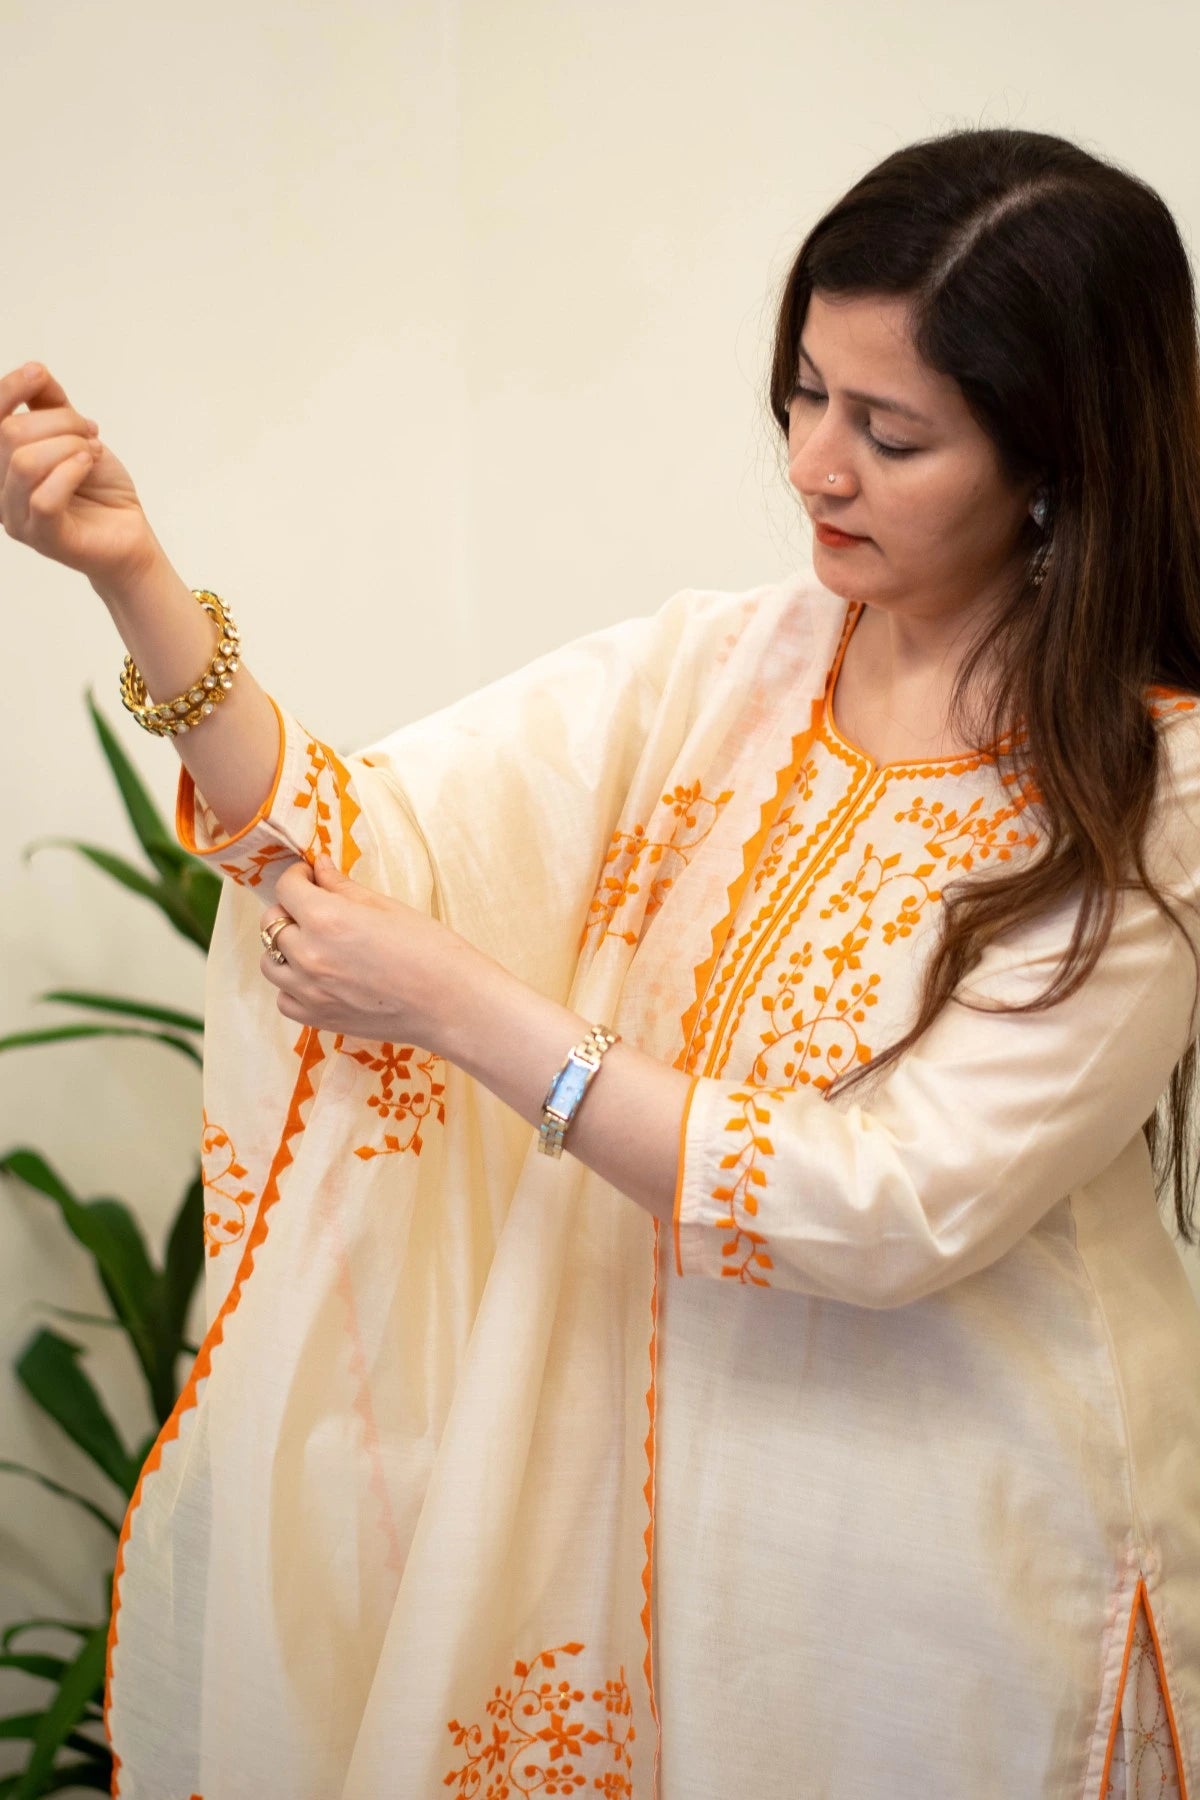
pixel 270 932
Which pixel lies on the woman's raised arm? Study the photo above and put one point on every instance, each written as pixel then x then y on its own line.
pixel 67 496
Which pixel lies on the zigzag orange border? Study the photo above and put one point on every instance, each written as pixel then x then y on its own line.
pixel 312 1054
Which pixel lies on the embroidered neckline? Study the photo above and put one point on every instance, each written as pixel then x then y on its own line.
pixel 960 762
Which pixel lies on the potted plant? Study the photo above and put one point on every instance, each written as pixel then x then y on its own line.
pixel 148 1303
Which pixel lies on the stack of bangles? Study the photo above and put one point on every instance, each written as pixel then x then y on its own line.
pixel 171 718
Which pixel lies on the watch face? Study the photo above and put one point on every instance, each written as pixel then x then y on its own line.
pixel 568 1088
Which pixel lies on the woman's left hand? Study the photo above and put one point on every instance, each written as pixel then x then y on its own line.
pixel 363 964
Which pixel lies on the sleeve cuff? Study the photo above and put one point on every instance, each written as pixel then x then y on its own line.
pixel 310 809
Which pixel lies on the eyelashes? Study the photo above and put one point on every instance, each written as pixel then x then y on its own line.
pixel 814 397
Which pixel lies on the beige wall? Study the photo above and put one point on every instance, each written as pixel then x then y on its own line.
pixel 434 335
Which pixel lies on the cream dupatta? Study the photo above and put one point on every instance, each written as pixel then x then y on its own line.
pixel 396 1537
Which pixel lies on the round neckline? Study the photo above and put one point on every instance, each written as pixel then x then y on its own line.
pixel 855 611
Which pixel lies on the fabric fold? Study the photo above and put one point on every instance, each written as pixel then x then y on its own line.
pixel 416 1450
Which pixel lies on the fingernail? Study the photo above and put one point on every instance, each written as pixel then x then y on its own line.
pixel 32 369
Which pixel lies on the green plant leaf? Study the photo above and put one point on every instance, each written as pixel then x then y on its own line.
pixel 56 1034
pixel 24 1725
pixel 110 1232
pixel 79 1318
pixel 144 816
pixel 141 1009
pixel 113 865
pixel 43 1625
pixel 70 1775
pixel 183 1260
pixel 171 899
pixel 30 1662
pixel 75 1690
pixel 203 891
pixel 188 892
pixel 49 1372
pixel 56 1487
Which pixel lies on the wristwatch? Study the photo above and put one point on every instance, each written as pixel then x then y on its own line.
pixel 569 1086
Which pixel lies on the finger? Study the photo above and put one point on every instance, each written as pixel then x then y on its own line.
pixel 299 889
pixel 52 496
pixel 271 969
pixel 287 974
pixel 42 477
pixel 28 427
pixel 36 390
pixel 292 947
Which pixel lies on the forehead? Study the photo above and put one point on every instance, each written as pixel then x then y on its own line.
pixel 864 341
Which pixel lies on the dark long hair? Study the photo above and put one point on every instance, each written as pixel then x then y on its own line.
pixel 1054 288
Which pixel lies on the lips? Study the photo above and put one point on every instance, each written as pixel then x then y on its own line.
pixel 832 534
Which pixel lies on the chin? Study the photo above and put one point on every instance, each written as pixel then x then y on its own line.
pixel 831 571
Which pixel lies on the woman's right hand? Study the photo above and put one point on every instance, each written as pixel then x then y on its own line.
pixel 77 509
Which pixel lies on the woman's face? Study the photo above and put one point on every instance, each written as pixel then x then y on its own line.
pixel 924 491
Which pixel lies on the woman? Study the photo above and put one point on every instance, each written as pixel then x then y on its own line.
pixel 879 889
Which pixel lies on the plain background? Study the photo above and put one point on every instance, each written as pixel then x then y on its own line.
pixel 434 335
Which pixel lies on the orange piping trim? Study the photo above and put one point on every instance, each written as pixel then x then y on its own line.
pixel 678 1201
pixel 185 801
pixel 768 813
pixel 750 849
pixel 648 1536
pixel 1166 1694
pixel 311 1053
pixel 1138 1594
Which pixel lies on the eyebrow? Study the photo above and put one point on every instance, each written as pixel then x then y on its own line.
pixel 906 412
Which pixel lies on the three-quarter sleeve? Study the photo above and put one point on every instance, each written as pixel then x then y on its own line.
pixel 286 823
pixel 496 769
pixel 977 1132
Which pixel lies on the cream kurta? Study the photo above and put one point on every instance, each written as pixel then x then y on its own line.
pixel 895 1510
pixel 863 1479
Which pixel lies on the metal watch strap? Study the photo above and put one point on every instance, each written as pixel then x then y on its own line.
pixel 588 1052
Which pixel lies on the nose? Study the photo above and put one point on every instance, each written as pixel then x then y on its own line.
pixel 822 452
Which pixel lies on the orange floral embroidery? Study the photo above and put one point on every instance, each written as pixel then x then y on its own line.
pixel 981 831
pixel 744 1251
pixel 538 1745
pixel 695 815
pixel 419 1099
pixel 983 835
pixel 786 827
pixel 326 784
pixel 830 1034
pixel 249 872
pixel 320 762
pixel 729 642
pixel 826 1038
pixel 226 1221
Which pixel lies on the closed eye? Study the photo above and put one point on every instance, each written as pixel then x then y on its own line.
pixel 814 397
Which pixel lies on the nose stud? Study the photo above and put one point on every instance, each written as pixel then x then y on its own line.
pixel 831 478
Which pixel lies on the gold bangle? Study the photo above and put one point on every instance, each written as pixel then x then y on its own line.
pixel 171 717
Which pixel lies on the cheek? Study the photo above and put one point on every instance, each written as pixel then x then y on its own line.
pixel 931 508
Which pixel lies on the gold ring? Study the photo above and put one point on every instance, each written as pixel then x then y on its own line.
pixel 270 932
